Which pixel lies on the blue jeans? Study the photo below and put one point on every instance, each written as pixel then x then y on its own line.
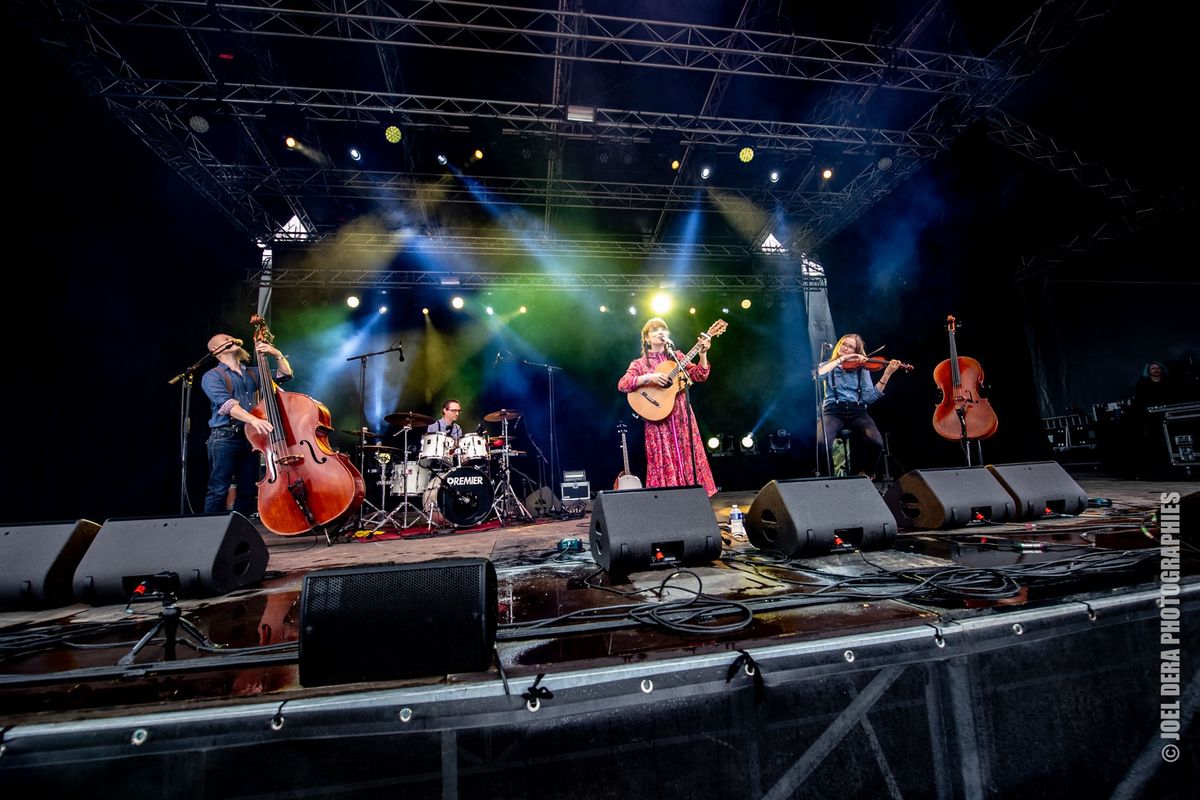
pixel 230 459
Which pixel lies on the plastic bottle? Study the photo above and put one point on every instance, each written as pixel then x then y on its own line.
pixel 737 521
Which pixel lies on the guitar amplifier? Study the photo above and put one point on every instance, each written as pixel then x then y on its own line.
pixel 576 490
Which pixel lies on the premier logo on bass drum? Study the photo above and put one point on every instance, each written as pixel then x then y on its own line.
pixel 466 480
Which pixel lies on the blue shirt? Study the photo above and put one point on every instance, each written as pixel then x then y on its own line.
pixel 853 387
pixel 453 430
pixel 244 386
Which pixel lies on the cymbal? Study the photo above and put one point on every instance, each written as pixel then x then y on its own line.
pixel 410 419
pixel 501 415
pixel 383 448
pixel 363 433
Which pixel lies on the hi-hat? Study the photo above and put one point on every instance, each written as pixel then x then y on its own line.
pixel 408 419
pixel 364 433
pixel 501 415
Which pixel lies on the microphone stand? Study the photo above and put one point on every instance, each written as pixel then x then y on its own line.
pixel 185 380
pixel 542 464
pixel 822 438
pixel 553 464
pixel 362 416
pixel 688 418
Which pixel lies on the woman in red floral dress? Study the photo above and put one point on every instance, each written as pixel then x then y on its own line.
pixel 673 445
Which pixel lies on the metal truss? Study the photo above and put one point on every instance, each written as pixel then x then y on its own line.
pixel 485 28
pixel 536 281
pixel 1027 141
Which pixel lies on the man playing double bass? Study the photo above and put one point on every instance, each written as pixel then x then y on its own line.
pixel 231 388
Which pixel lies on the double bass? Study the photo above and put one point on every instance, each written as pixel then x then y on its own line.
pixel 962 413
pixel 308 485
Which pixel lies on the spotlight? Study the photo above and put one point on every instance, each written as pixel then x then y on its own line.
pixel 692 310
pixel 478 154
pixel 714 443
pixel 705 172
pixel 355 154
pixel 746 155
pixel 725 310
pixel 383 309
pixel 774 176
pixel 633 311
pixel 352 301
pixel 627 158
pixel 522 309
pixel 490 311
pixel 675 164
pixel 826 174
pixel 746 303
pixel 198 123
pixel 661 303
pixel 747 443
pixel 393 134
pixel 884 164
pixel 602 156
pixel 441 159
pixel 780 441
pixel 456 301
pixel 290 142
pixel 603 309
pixel 425 311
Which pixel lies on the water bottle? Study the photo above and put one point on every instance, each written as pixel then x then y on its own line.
pixel 737 521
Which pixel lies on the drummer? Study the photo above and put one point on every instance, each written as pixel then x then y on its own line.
pixel 448 424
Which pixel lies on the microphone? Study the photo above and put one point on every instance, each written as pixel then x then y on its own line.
pixel 671 346
pixel 479 430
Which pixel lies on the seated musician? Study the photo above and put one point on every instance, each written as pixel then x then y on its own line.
pixel 448 423
pixel 846 393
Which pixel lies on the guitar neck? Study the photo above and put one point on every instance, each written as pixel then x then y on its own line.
pixel 624 452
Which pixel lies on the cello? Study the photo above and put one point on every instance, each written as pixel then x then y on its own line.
pixel 308 485
pixel 962 413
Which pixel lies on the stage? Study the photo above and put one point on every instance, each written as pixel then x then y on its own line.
pixel 920 693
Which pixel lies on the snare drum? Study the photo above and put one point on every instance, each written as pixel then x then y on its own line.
pixel 472 449
pixel 411 481
pixel 436 449
pixel 460 498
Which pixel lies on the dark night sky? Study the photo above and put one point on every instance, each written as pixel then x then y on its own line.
pixel 119 272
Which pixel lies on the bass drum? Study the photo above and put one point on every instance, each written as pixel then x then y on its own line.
pixel 459 498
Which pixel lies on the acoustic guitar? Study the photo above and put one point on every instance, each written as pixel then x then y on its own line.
pixel 626 480
pixel 655 402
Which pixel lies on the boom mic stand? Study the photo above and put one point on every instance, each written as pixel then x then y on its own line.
pixel 362 418
pixel 185 380
pixel 553 464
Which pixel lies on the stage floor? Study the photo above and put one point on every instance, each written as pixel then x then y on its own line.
pixel 537 582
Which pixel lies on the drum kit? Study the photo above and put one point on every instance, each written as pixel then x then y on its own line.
pixel 446 483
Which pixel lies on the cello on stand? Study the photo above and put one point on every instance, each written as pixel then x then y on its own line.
pixel 308 486
pixel 962 414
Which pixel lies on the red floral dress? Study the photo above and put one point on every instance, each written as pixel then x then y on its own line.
pixel 668 453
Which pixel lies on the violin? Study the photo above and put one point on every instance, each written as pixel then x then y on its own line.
pixel 874 364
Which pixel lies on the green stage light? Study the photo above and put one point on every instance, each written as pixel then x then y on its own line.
pixel 393 134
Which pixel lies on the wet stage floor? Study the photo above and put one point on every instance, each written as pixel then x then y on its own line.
pixel 536 582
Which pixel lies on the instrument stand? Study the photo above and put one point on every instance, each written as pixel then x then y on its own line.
pixel 541 481
pixel 170 619
pixel 822 438
pixel 185 380
pixel 507 505
pixel 405 506
pixel 362 418
pixel 553 462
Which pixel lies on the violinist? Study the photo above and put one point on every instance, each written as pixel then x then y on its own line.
pixel 231 387
pixel 847 388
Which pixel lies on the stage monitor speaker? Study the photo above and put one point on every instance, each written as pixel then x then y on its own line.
pixel 1040 488
pixel 806 516
pixel 390 621
pixel 212 554
pixel 636 529
pixel 38 561
pixel 948 498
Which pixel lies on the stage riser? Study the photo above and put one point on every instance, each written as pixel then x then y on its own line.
pixel 1062 705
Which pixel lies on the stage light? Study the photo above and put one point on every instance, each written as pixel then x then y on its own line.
pixel 692 310
pixel 198 123
pixel 291 142
pixel 393 134
pixel 884 164
pixel 780 441
pixel 490 311
pixel 747 443
pixel 746 155
pixel 714 443
pixel 603 309
pixel 441 159
pixel 675 164
pixel 633 311
pixel 602 156
pixel 725 310
pixel 826 174
pixel 457 301
pixel 355 154
pixel 774 176
pixel 383 309
pixel 522 309
pixel 425 311
pixel 581 114
pixel 478 154
pixel 746 303
pixel 705 172
pixel 661 303
pixel 352 301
